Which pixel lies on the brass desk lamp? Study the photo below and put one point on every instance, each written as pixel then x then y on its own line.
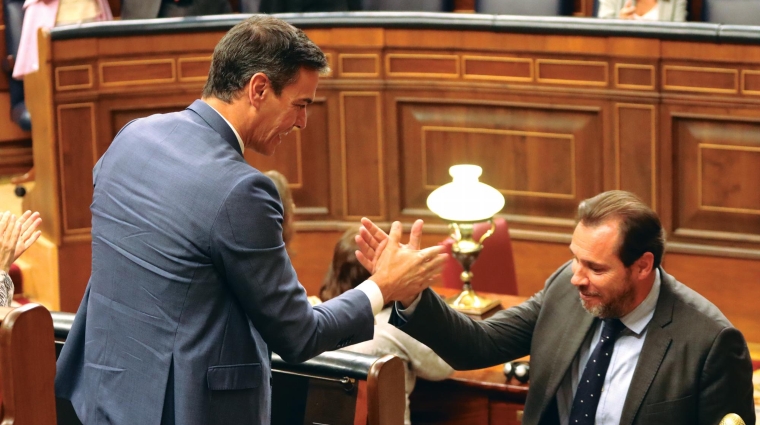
pixel 463 203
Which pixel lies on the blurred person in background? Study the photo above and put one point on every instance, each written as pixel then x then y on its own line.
pixel 346 273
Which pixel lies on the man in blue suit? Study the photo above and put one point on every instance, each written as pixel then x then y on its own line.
pixel 191 287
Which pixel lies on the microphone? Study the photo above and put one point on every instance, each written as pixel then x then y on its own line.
pixel 732 419
pixel 517 370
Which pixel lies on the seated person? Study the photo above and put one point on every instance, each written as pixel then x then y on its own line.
pixel 647 10
pixel 16 235
pixel 346 273
pixel 286 197
pixel 47 14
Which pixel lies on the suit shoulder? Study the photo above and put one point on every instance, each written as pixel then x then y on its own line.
pixel 698 309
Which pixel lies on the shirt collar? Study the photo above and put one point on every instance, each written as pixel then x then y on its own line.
pixel 240 141
pixel 639 318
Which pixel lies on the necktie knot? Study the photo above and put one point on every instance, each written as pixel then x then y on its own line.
pixel 612 329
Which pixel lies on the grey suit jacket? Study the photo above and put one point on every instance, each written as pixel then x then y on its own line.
pixel 694 366
pixel 670 10
pixel 191 286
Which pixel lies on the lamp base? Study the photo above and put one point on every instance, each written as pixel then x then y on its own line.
pixel 468 302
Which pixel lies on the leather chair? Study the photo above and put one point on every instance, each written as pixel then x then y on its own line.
pixel 732 12
pixel 494 270
pixel 409 5
pixel 525 7
pixel 13 14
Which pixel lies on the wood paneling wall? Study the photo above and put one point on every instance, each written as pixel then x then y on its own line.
pixel 551 119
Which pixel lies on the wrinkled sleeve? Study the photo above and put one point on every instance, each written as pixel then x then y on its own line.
pixel 247 246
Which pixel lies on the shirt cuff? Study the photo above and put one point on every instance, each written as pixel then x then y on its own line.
pixel 372 291
pixel 406 313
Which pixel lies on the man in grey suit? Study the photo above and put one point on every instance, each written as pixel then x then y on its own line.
pixel 191 286
pixel 612 338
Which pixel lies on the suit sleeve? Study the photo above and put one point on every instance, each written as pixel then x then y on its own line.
pixel 468 344
pixel 726 380
pixel 247 247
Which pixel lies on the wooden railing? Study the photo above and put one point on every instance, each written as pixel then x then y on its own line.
pixel 338 387
pixel 27 366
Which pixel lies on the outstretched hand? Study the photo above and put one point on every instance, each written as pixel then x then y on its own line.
pixel 29 234
pixel 372 240
pixel 401 271
pixel 10 229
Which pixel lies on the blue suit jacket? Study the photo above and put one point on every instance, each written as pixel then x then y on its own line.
pixel 191 286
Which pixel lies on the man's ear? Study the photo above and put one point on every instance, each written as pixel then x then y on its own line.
pixel 258 88
pixel 644 265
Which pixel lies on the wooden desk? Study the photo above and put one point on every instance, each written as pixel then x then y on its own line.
pixel 482 396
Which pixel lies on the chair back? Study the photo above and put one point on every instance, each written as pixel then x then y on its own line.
pixel 524 7
pixel 732 12
pixel 27 366
pixel 494 270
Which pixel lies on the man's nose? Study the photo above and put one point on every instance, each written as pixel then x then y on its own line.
pixel 578 278
pixel 301 119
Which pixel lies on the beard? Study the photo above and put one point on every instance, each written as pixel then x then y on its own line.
pixel 617 306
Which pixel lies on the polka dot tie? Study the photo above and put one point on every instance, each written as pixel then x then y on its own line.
pixel 590 386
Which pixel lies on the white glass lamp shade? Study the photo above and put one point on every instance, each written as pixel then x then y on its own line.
pixel 465 199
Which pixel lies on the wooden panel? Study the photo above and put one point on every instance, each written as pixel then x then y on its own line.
pixel 76 137
pixel 73 77
pixel 634 76
pixel 699 79
pixel 497 68
pixel 194 68
pixel 148 71
pixel 751 82
pixel 560 71
pixel 728 178
pixel 635 147
pixel 359 65
pixel 519 154
pixel 422 65
pixel 362 155
pixel 303 158
pixel 718 167
pixel 544 159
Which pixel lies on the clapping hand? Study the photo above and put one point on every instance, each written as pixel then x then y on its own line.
pixel 400 270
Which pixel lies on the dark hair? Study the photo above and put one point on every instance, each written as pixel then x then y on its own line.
pixel 640 228
pixel 286 197
pixel 346 272
pixel 264 44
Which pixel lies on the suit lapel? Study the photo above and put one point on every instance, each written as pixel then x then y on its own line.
pixel 216 122
pixel 577 323
pixel 655 347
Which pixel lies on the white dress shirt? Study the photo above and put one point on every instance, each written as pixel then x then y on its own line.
pixel 625 356
pixel 370 288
